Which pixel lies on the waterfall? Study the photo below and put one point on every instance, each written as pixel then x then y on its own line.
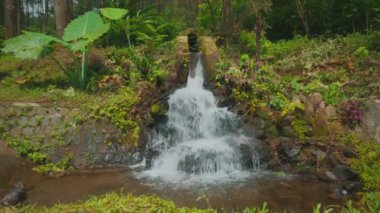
pixel 200 140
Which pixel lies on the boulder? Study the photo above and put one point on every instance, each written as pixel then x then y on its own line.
pixel 182 54
pixel 345 173
pixel 16 194
pixel 371 119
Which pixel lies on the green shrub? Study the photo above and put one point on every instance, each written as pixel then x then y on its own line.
pixel 361 52
pixel 368 161
pixel 369 41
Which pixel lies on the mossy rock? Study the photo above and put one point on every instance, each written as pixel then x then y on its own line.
pixel 182 58
pixel 211 56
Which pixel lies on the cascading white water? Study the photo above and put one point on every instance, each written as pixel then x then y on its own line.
pixel 200 141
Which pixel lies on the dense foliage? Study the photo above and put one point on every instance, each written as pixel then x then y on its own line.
pixel 274 56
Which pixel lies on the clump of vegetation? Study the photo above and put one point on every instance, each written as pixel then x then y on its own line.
pixel 34 150
pixel 352 112
pixel 301 128
pixel 114 202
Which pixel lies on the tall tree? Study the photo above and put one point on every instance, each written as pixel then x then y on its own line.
pixel 12 18
pixel 63 9
pixel 259 8
pixel 301 10
pixel 227 17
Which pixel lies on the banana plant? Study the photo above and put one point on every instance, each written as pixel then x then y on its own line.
pixel 78 36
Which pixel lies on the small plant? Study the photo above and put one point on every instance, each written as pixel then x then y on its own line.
pixel 332 95
pixel 54 168
pixel 318 209
pixel 352 112
pixel 301 128
pixel 278 102
pixel 361 52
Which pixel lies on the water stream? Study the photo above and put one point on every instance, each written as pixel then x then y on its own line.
pixel 200 141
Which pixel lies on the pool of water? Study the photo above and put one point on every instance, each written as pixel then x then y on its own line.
pixel 295 194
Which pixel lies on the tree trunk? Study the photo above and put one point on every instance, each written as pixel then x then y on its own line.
pixel 303 15
pixel 258 32
pixel 211 12
pixel 46 16
pixel 11 18
pixel 159 6
pixel 62 10
pixel 227 14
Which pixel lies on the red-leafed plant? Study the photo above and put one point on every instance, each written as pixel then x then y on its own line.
pixel 352 112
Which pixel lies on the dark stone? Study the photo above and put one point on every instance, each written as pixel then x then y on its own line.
pixel 293 151
pixel 150 155
pixel 15 195
pixel 349 154
pixel 263 151
pixel 271 131
pixel 246 153
pixel 345 173
pixel 192 41
pixel 289 149
pixel 288 131
pixel 352 186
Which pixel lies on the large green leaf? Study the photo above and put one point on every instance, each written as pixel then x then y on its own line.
pixel 113 13
pixel 88 26
pixel 30 45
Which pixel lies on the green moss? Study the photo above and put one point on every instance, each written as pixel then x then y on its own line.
pixel 16 93
pixel 301 128
pixel 158 109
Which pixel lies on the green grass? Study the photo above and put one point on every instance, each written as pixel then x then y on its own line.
pixel 18 94
pixel 113 202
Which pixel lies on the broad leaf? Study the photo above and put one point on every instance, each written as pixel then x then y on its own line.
pixel 88 26
pixel 113 13
pixel 30 45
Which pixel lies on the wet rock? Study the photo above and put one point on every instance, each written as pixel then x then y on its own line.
pixel 150 155
pixel 289 149
pixel 352 186
pixel 345 173
pixel 246 153
pixel 211 56
pixel 15 195
pixel 262 151
pixel 293 151
pixel 326 175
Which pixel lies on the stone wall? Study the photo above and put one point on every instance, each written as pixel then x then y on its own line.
pixel 68 131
